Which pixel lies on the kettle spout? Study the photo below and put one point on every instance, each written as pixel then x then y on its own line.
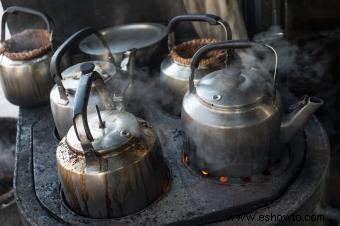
pixel 306 107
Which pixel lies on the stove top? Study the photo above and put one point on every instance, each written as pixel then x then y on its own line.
pixel 191 199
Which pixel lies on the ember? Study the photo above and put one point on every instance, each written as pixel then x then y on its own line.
pixel 224 179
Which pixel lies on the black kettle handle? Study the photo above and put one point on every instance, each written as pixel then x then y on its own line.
pixel 18 9
pixel 209 18
pixel 59 53
pixel 80 123
pixel 201 53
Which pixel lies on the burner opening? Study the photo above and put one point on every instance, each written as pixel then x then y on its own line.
pixel 278 168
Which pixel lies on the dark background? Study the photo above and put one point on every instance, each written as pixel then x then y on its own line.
pixel 72 15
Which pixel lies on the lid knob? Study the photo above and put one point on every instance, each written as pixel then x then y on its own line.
pixel 87 68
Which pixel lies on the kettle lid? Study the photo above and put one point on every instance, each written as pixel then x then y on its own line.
pixel 72 74
pixel 118 129
pixel 232 88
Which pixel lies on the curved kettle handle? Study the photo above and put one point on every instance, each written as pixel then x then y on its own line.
pixel 18 9
pixel 201 53
pixel 209 18
pixel 80 123
pixel 59 53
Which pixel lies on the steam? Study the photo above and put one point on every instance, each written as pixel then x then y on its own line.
pixel 303 68
pixel 142 92
pixel 307 66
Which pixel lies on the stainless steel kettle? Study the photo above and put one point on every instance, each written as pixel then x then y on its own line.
pixel 175 68
pixel 234 120
pixel 109 164
pixel 62 94
pixel 24 73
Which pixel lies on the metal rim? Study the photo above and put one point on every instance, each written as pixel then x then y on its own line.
pixel 83 45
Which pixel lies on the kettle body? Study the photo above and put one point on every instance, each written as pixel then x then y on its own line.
pixel 125 181
pixel 26 83
pixel 234 143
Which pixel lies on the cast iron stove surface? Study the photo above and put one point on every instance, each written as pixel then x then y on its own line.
pixel 191 199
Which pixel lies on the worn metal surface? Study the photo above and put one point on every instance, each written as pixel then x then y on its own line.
pixel 127 173
pixel 191 199
pixel 26 83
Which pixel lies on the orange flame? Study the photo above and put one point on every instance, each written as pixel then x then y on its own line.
pixel 184 158
pixel 224 179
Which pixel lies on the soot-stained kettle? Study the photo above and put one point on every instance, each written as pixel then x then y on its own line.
pixel 109 164
pixel 233 117
pixel 63 93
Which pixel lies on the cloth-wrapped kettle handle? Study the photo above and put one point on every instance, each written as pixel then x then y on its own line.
pixel 80 123
pixel 59 53
pixel 209 18
pixel 17 9
pixel 201 53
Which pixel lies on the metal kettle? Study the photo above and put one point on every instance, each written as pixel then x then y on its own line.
pixel 233 117
pixel 24 71
pixel 175 68
pixel 109 164
pixel 63 93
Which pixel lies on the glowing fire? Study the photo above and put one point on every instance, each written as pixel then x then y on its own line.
pixel 224 179
pixel 205 173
